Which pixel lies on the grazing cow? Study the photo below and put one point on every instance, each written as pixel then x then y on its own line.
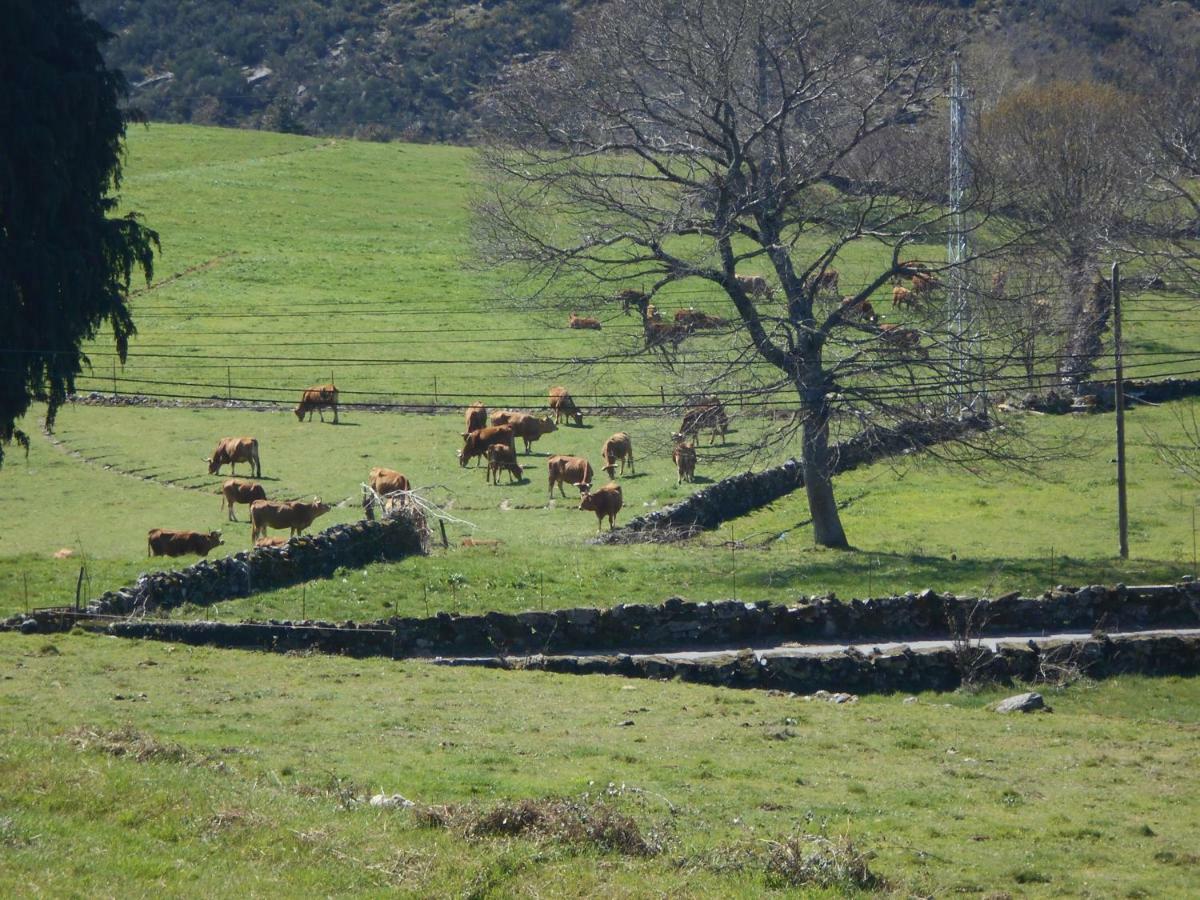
pixel 236 490
pixel 924 284
pixel 604 502
pixel 660 335
pixel 826 281
pixel 684 456
pixel 568 470
pixel 902 296
pixel 295 515
pixel 618 447
pixel 503 457
pixel 271 542
pixel 475 443
pixel 896 337
pixel 708 414
pixel 563 405
pixel 574 321
pixel 383 482
pixel 476 416
pixel 694 319
pixel 755 286
pixel 323 396
pixel 233 451
pixel 862 310
pixel 164 542
pixel 529 428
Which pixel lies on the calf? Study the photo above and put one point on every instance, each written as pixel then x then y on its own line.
pixel 234 450
pixel 618 447
pixel 695 320
pixel 237 490
pixel 902 296
pixel 476 416
pixel 861 310
pixel 896 337
pixel 295 515
pixel 502 456
pixel 924 284
pixel 164 542
pixel 271 542
pixel 525 426
pixel 684 456
pixel 604 502
pixel 324 396
pixel 755 286
pixel 563 405
pixel 383 482
pixel 826 281
pixel 475 443
pixel 575 321
pixel 568 470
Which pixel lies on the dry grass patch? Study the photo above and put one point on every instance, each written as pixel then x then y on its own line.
pixel 576 822
pixel 130 743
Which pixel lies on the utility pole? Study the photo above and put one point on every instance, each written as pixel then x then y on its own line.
pixel 1119 388
pixel 964 391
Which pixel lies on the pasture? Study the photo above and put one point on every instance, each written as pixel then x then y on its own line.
pixel 286 258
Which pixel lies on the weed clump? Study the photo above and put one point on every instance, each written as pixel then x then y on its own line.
pixel 575 822
pixel 131 743
pixel 816 861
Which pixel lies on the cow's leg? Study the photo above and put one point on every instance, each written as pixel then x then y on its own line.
pixel 335 421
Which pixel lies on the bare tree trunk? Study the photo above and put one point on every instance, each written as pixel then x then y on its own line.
pixel 818 483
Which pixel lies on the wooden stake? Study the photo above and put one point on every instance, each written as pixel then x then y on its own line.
pixel 1119 386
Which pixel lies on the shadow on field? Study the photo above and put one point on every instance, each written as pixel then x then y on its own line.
pixel 346 424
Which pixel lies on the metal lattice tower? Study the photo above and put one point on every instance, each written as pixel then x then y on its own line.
pixel 965 386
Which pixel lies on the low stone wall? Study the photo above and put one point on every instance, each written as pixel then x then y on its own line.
pixel 1158 390
pixel 900 670
pixel 262 569
pixel 744 493
pixel 680 625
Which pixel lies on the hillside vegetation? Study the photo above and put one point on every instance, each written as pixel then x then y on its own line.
pixel 381 70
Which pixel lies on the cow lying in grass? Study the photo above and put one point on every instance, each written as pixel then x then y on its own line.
pixel 165 542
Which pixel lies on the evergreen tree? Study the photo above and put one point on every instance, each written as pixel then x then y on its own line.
pixel 66 258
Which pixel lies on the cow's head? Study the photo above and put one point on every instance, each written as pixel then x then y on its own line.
pixel 319 508
pixel 462 457
pixel 546 425
pixel 213 465
pixel 214 538
pixel 584 487
pixel 577 416
pixel 299 411
pixel 611 469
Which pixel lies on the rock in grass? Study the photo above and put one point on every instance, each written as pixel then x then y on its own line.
pixel 1027 702
pixel 393 801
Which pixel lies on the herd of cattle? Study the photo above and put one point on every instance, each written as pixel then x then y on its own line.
pixel 491 438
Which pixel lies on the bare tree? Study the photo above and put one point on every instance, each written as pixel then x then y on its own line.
pixel 746 145
pixel 1070 169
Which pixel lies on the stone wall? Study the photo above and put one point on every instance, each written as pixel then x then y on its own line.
pixel 679 624
pixel 744 493
pixel 268 568
pixel 900 670
pixel 1158 390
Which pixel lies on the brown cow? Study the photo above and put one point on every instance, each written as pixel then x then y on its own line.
pixel 902 296
pixel 475 443
pixel 862 310
pixel 233 451
pixel 525 426
pixel 502 456
pixel 383 482
pixel 164 542
pixel 272 542
pixel 292 514
pixel 574 321
pixel 684 456
pixel 604 502
pixel 564 405
pixel 897 337
pixel 924 284
pixel 617 447
pixel 476 416
pixel 568 470
pixel 694 319
pixel 237 490
pixel 323 396
pixel 708 414
pixel 826 281
pixel 756 286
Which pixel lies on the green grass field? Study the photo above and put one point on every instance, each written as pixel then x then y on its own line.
pixel 332 254
pixel 229 772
